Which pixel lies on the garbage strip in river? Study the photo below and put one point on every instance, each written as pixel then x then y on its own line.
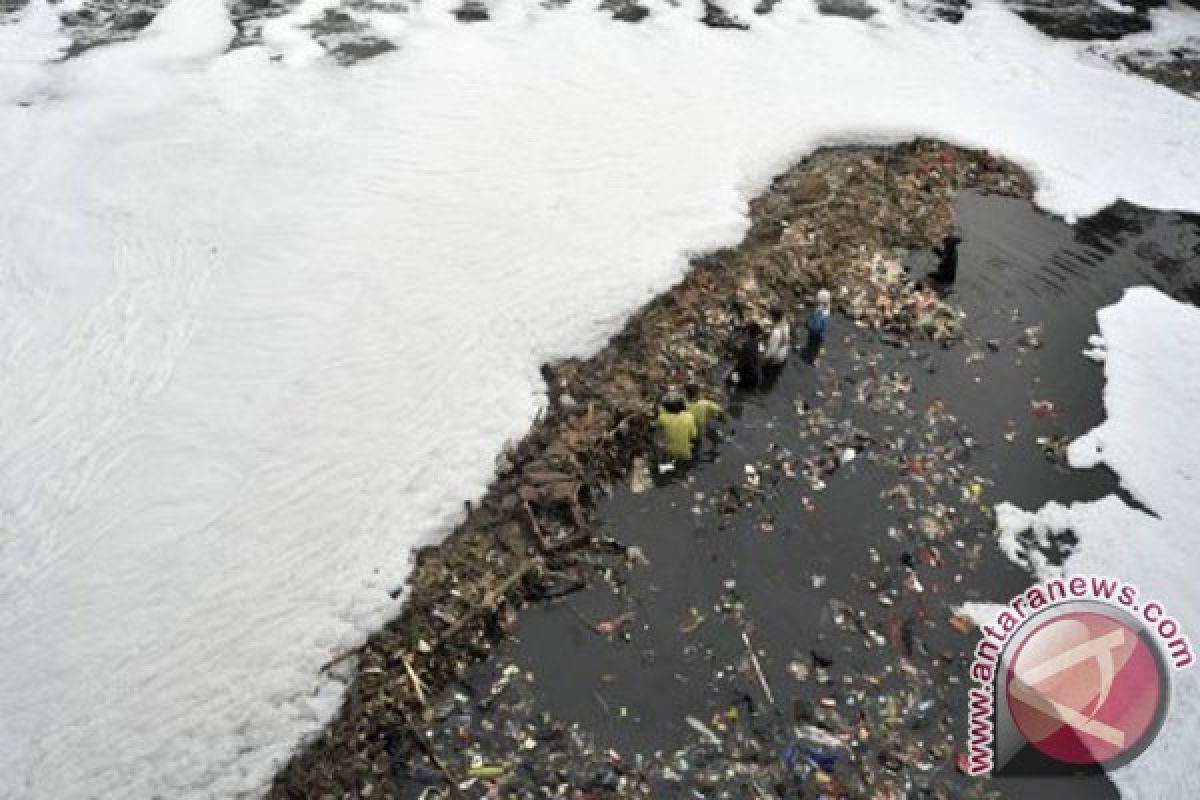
pixel 844 220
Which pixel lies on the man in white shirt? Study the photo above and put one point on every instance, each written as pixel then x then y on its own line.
pixel 779 343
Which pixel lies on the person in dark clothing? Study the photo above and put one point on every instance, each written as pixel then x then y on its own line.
pixel 748 371
pixel 947 254
pixel 818 324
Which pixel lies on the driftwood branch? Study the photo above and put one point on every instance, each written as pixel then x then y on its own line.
pixel 493 597
pixel 428 750
pixel 339 658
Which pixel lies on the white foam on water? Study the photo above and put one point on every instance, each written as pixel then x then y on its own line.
pixel 1150 439
pixel 265 322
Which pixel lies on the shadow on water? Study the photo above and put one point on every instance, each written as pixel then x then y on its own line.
pixel 822 577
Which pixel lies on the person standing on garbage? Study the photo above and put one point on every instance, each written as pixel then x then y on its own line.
pixel 678 427
pixel 779 343
pixel 817 325
pixel 747 372
pixel 777 348
pixel 704 411
pixel 947 254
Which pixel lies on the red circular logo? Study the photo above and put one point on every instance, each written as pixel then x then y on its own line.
pixel 1084 688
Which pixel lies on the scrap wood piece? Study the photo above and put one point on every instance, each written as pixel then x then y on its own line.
pixel 418 685
pixel 557 491
pixel 340 657
pixel 493 597
pixel 582 535
pixel 542 477
pixel 535 528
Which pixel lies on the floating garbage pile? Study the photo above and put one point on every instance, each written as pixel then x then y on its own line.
pixel 842 220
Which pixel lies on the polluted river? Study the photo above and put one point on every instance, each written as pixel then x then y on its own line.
pixel 336 334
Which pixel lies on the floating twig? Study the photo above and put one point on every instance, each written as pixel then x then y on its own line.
pixel 758 669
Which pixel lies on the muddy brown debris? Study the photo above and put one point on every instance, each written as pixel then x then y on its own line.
pixel 841 219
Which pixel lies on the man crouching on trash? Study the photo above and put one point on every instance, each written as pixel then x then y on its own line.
pixel 679 431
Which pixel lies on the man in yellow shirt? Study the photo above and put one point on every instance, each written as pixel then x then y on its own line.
pixel 678 427
pixel 703 411
pixel 701 408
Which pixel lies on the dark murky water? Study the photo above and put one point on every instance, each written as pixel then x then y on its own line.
pixel 785 567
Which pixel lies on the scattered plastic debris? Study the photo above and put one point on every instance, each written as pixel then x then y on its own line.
pixel 1045 410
